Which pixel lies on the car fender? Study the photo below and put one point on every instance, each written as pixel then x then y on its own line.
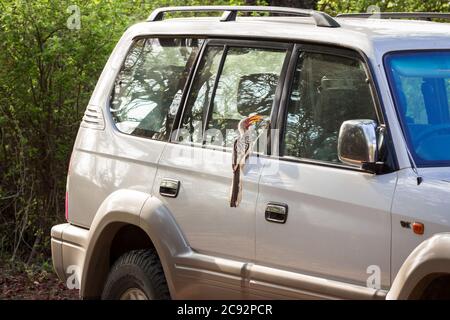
pixel 431 257
pixel 160 225
pixel 118 209
pixel 124 207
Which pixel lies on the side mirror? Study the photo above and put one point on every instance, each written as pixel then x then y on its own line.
pixel 357 143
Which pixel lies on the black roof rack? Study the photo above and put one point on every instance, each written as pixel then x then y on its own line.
pixel 230 13
pixel 397 15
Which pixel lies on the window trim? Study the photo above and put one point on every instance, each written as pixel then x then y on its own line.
pixel 239 43
pixel 209 111
pixel 321 163
pixel 392 92
pixel 374 88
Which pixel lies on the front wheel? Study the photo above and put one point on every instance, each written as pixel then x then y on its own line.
pixel 136 275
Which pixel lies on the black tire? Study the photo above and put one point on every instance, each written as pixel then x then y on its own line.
pixel 140 269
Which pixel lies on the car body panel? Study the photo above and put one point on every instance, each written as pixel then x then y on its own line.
pixel 427 203
pixel 338 222
pixel 190 275
pixel 202 207
pixel 104 162
pixel 428 260
pixel 68 244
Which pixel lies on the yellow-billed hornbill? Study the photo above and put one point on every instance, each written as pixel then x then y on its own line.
pixel 241 151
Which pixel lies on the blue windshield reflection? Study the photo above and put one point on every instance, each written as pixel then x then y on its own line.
pixel 421 85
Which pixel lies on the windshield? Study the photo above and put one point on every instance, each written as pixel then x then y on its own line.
pixel 421 86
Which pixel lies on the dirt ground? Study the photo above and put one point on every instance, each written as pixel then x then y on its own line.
pixel 27 285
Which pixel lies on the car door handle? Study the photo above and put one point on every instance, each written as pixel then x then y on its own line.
pixel 169 188
pixel 276 212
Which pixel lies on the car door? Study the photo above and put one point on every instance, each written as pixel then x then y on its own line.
pixel 323 227
pixel 233 80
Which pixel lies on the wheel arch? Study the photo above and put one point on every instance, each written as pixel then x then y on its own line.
pixel 122 214
pixel 427 262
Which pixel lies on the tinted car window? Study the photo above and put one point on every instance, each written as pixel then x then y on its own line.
pixel 327 90
pixel 421 86
pixel 148 89
pixel 200 95
pixel 246 86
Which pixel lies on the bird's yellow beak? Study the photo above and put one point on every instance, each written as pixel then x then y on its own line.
pixel 254 119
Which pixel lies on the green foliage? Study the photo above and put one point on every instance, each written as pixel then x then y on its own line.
pixel 334 7
pixel 47 74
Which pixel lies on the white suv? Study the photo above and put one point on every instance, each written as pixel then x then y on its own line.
pixel 298 156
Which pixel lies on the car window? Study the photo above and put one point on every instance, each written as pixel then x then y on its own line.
pixel 200 95
pixel 421 86
pixel 149 86
pixel 413 100
pixel 246 86
pixel 327 90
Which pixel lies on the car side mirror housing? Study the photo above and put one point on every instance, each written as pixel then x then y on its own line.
pixel 358 144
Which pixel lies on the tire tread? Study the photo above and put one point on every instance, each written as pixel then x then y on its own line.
pixel 147 260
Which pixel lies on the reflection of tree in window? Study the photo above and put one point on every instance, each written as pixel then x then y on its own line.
pixel 200 94
pixel 327 91
pixel 412 99
pixel 246 86
pixel 148 89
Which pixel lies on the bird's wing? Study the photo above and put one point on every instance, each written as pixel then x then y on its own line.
pixel 247 144
pixel 235 156
pixel 242 147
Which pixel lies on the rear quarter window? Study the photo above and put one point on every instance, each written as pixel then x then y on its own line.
pixel 148 89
